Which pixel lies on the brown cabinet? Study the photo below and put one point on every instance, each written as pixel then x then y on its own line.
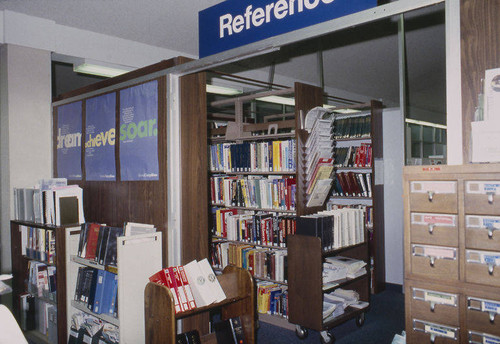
pixel 452 253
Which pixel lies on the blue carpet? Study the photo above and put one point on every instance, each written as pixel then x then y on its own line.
pixel 384 319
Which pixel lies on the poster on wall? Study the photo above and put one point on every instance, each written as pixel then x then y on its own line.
pixel 139 132
pixel 69 141
pixel 100 131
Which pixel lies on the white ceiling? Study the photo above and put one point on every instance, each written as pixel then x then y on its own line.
pixel 362 60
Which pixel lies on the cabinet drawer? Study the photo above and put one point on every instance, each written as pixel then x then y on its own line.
pixel 476 337
pixel 483 315
pixel 438 229
pixel 482 232
pixel 482 267
pixel 438 262
pixel 482 197
pixel 433 196
pixel 434 305
pixel 424 331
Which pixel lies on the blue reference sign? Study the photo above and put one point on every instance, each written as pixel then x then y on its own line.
pixel 234 23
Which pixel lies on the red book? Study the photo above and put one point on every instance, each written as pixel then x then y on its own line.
pixel 173 290
pixel 176 278
pixel 354 183
pixel 187 288
pixel 346 190
pixel 92 237
pixel 357 154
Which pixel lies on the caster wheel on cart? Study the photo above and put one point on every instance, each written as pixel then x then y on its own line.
pixel 326 337
pixel 360 319
pixel 301 332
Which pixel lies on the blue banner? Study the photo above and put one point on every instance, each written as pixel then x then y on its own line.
pixel 233 23
pixel 69 141
pixel 100 132
pixel 139 132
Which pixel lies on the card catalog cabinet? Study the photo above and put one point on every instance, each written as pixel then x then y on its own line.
pixel 452 253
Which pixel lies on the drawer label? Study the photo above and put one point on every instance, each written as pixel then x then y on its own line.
pixel 444 299
pixel 490 259
pixel 483 187
pixel 436 219
pixel 488 306
pixel 490 340
pixel 439 252
pixel 434 186
pixel 482 221
pixel 440 331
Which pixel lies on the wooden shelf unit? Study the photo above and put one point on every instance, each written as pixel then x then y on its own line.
pixel 447 292
pixel 306 97
pixel 161 319
pixel 20 271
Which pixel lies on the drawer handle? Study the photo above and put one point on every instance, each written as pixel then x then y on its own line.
pixel 433 307
pixel 433 338
pixel 433 261
pixel 431 228
pixel 490 232
pixel 492 317
pixel 490 269
pixel 490 197
pixel 430 194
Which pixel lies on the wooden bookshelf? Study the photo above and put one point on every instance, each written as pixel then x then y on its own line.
pixel 161 319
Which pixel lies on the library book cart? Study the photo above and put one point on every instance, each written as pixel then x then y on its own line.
pixel 161 319
pixel 452 253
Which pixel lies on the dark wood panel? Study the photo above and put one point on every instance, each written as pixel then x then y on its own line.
pixel 480 50
pixel 194 169
pixel 307 97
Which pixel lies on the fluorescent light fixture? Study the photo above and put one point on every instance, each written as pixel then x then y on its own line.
pixel 99 68
pixel 426 124
pixel 278 100
pixel 227 91
pixel 347 111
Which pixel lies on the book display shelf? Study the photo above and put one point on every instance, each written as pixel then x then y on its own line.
pixel 138 257
pixel 253 193
pixel 307 254
pixel 47 305
pixel 161 319
pixel 452 253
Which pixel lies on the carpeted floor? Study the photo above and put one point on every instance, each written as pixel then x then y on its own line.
pixel 384 319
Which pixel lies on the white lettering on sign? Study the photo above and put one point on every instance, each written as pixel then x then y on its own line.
pixel 255 17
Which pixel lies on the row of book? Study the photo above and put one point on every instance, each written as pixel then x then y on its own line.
pixel 42 280
pixel 261 228
pixel 272 299
pixel 353 156
pixel 38 243
pixel 273 192
pixel 98 290
pixel 37 314
pixel 51 201
pixel 352 184
pixel 183 284
pixel 261 262
pixel 367 210
pixel 265 156
pixel 86 328
pixel 337 228
pixel 98 243
pixel 351 127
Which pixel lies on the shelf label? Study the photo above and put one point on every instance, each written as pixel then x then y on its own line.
pixel 439 252
pixel 487 339
pixel 475 221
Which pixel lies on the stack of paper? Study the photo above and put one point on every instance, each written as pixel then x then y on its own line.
pixel 353 267
pixel 346 297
